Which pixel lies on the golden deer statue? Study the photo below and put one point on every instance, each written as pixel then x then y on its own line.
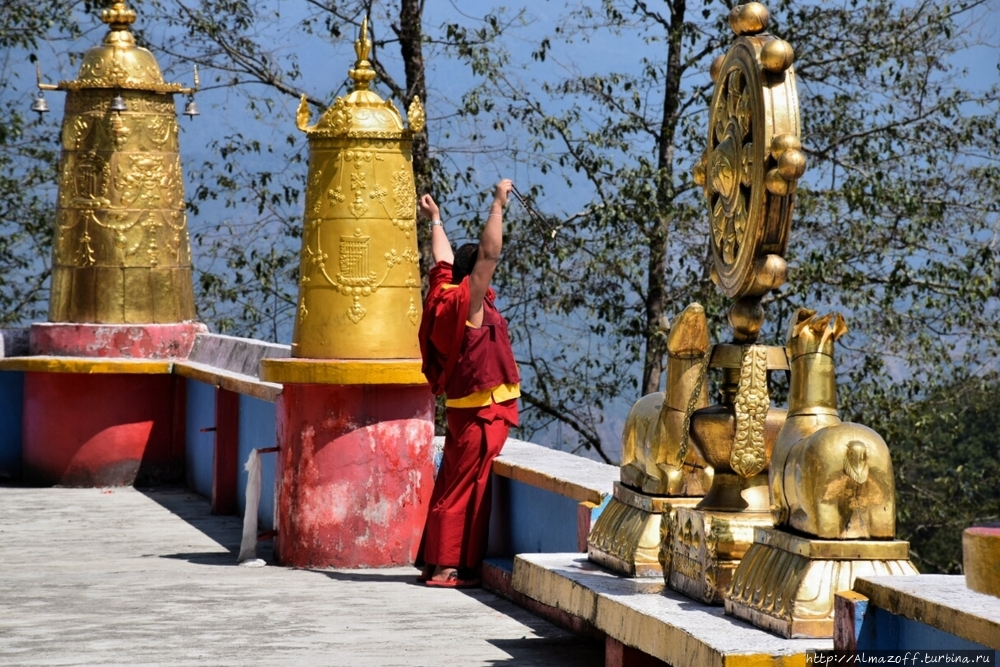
pixel 829 479
pixel 656 456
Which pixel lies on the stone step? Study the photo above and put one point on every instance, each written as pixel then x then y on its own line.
pixel 643 614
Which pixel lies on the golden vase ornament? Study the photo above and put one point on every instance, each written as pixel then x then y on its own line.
pixel 121 252
pixel 359 287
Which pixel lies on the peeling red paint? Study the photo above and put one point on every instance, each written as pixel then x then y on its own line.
pixel 355 472
pixel 131 341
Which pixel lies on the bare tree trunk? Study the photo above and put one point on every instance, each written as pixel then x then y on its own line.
pixel 656 344
pixel 411 37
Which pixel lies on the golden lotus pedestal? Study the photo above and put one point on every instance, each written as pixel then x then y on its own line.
pixel 706 549
pixel 786 583
pixel 627 537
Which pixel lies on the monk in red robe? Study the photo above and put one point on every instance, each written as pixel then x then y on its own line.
pixel 466 356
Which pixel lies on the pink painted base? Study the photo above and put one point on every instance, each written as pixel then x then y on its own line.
pixel 102 430
pixel 132 341
pixel 355 474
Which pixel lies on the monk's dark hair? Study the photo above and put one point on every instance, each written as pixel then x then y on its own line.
pixel 465 260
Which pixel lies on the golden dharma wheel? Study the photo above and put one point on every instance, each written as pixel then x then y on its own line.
pixel 749 184
pixel 359 290
pixel 121 252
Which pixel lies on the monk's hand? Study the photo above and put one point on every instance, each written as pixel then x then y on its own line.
pixel 428 208
pixel 503 191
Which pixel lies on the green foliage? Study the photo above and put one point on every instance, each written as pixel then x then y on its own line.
pixel 29 150
pixel 599 114
pixel 897 230
pixel 947 461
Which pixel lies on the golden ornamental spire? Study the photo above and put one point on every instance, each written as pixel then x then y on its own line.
pixel 362 113
pixel 362 72
pixel 119 16
pixel 121 252
pixel 359 290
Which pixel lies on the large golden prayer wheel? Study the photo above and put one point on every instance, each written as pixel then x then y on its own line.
pixel 359 290
pixel 121 252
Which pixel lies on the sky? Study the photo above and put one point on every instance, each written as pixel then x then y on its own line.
pixel 325 63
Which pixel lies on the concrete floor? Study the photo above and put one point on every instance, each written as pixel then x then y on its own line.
pixel 148 577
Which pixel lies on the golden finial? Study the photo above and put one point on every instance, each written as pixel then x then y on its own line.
pixel 135 272
pixel 415 115
pixel 362 72
pixel 749 19
pixel 118 16
pixel 302 115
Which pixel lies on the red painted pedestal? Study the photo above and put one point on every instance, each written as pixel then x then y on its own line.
pixel 90 422
pixel 355 474
pixel 107 341
pixel 103 429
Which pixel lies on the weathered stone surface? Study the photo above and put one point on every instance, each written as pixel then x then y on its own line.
pixel 941 601
pixel 561 473
pixel 235 382
pixel 123 577
pixel 236 355
pixel 643 614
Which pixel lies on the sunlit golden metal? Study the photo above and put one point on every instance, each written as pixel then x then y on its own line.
pixel 121 252
pixel 777 56
pixel 755 100
pixel 626 537
pixel 749 19
pixel 830 482
pixel 786 583
pixel 703 549
pixel 829 479
pixel 750 211
pixel 359 291
pixel 735 436
pixel 656 456
pixel 980 555
pixel 660 469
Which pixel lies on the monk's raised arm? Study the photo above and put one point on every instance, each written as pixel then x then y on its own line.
pixel 440 246
pixel 490 245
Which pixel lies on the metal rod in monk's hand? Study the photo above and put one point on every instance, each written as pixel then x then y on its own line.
pixel 532 213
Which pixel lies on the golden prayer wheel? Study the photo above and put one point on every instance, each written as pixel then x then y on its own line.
pixel 121 252
pixel 359 290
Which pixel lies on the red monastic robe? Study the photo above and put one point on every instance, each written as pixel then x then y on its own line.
pixel 461 360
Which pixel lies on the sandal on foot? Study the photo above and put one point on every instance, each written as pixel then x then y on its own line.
pixel 452 581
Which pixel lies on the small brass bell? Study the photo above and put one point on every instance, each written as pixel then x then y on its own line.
pixel 118 104
pixel 191 109
pixel 40 105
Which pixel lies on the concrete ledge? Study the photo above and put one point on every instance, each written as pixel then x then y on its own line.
pixel 561 473
pixel 642 614
pixel 241 356
pixel 247 385
pixel 86 365
pixel 939 600
pixel 497 579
